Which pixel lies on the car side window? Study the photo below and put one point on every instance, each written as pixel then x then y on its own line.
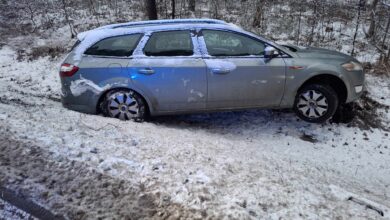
pixel 223 43
pixel 115 46
pixel 169 43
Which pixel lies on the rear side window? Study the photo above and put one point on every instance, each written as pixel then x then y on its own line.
pixel 222 43
pixel 169 43
pixel 115 46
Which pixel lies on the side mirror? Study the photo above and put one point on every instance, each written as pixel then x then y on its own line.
pixel 270 52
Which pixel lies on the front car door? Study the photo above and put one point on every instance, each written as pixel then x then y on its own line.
pixel 238 74
pixel 171 72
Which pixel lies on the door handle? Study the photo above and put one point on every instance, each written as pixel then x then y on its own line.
pixel 220 71
pixel 146 71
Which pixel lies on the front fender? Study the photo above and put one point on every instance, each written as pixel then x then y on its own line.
pixel 296 77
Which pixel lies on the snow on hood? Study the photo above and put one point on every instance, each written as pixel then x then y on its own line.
pixel 82 85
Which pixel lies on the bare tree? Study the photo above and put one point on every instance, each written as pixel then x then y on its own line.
pixel 215 8
pixel 151 9
pixel 31 11
pixel 371 29
pixel 313 24
pixel 386 32
pixel 299 25
pixel 73 32
pixel 191 6
pixel 258 15
pixel 173 6
pixel 360 8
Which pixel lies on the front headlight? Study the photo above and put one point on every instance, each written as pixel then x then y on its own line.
pixel 352 66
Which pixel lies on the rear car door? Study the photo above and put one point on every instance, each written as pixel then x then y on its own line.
pixel 170 72
pixel 238 74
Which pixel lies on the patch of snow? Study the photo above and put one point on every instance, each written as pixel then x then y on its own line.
pixel 221 64
pixel 378 88
pixel 3 116
pixel 198 93
pixel 185 82
pixel 258 81
pixel 79 86
pixel 116 165
pixel 161 21
pixel 191 99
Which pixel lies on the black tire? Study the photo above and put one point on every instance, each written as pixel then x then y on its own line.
pixel 134 110
pixel 319 113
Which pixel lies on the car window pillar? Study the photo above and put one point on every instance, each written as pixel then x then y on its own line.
pixel 138 51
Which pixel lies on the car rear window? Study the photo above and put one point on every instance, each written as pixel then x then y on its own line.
pixel 115 46
pixel 169 43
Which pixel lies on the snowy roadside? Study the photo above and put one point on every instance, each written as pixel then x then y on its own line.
pixel 8 211
pixel 379 88
pixel 247 164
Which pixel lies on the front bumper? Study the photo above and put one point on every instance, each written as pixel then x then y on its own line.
pixel 355 84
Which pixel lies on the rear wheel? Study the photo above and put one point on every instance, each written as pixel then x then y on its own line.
pixel 316 103
pixel 124 105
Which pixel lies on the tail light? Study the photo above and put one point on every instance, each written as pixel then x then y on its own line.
pixel 68 70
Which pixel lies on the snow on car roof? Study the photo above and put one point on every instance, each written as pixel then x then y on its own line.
pixel 150 23
pixel 165 21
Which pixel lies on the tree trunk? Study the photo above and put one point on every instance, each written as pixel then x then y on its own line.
pixel 258 15
pixel 73 32
pixel 151 9
pixel 173 8
pixel 357 26
pixel 388 56
pixel 31 12
pixel 386 32
pixel 314 22
pixel 371 29
pixel 299 26
pixel 191 6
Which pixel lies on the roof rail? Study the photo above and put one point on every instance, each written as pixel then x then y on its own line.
pixel 164 21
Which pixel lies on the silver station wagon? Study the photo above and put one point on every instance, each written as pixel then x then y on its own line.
pixel 133 70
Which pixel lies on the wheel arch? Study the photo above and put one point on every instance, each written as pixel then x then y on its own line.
pixel 329 79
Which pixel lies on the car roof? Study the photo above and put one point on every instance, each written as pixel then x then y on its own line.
pixel 157 25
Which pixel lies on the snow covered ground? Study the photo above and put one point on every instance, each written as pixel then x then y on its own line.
pixel 8 211
pixel 242 165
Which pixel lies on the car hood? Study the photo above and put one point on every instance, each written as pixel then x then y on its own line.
pixel 313 52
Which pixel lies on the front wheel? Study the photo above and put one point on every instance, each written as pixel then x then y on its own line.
pixel 316 103
pixel 124 105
